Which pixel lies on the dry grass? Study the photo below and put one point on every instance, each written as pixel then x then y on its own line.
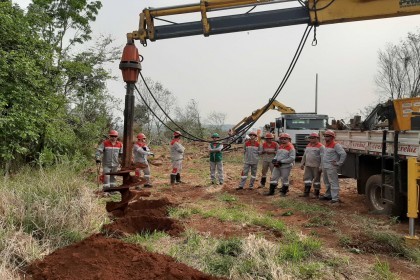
pixel 42 210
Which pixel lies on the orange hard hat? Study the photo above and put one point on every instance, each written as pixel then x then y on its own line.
pixel 330 133
pixel 141 136
pixel 314 134
pixel 113 133
pixel 268 135
pixel 285 135
pixel 177 133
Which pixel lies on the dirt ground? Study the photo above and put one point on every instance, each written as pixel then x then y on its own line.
pixel 103 256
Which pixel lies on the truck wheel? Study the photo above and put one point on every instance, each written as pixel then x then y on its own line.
pixel 374 198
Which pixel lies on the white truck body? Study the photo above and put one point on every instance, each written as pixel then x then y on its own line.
pixel 370 142
pixel 381 175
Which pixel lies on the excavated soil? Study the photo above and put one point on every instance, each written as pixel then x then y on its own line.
pixel 103 258
pixel 141 216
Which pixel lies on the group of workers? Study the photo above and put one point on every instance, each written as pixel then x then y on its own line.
pixel 109 151
pixel 278 158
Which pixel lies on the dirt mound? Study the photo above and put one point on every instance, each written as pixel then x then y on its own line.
pixel 103 258
pixel 142 215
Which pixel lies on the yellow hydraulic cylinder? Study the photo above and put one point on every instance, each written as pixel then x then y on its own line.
pixel 413 167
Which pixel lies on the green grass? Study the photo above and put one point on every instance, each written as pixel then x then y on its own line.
pixel 182 212
pixel 227 197
pixel 304 207
pixel 242 214
pixel 319 221
pixel 146 239
pixel 381 270
pixel 298 250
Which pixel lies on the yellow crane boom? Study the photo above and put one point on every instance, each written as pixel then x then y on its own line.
pixel 314 12
pixel 275 105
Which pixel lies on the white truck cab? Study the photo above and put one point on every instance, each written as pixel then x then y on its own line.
pixel 299 126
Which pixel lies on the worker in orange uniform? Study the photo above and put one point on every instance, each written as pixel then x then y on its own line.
pixel 283 163
pixel 177 155
pixel 311 163
pixel 110 150
pixel 333 157
pixel 268 151
pixel 140 153
pixel 251 157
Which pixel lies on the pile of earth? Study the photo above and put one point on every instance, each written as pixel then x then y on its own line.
pixel 105 258
pixel 98 257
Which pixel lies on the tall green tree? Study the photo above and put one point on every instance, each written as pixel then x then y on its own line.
pixel 81 75
pixel 26 97
pixel 53 96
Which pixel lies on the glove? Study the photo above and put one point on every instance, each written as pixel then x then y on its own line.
pixel 98 161
pixel 144 148
pixel 151 154
pixel 274 161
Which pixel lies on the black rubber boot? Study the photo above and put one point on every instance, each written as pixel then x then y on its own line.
pixel 178 179
pixel 316 193
pixel 284 189
pixel 272 189
pixel 173 179
pixel 262 182
pixel 306 192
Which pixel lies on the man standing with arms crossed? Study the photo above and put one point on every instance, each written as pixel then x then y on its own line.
pixel 268 151
pixel 333 157
pixel 311 163
pixel 283 163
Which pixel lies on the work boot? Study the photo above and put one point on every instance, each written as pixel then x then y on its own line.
pixel 173 179
pixel 251 183
pixel 148 185
pixel 262 183
pixel 178 179
pixel 284 189
pixel 316 193
pixel 272 189
pixel 306 192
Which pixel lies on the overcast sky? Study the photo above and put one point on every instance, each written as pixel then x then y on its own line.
pixel 237 73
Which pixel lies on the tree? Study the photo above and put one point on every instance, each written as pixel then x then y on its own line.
pixel 399 74
pixel 53 100
pixel 216 120
pixel 154 127
pixel 27 101
pixel 79 76
pixel 190 120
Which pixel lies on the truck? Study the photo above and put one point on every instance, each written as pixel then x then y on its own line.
pixel 298 126
pixel 389 167
pixel 384 161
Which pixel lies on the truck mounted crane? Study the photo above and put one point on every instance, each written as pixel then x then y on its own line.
pixel 310 12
